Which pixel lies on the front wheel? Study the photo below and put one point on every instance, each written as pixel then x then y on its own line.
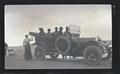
pixel 92 55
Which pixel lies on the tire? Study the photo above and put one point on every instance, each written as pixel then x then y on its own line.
pixel 63 44
pixel 39 53
pixel 92 55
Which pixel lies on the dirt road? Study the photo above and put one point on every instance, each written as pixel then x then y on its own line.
pixel 17 62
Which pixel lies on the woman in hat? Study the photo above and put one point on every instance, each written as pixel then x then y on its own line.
pixel 26 43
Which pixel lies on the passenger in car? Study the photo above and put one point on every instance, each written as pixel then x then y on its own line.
pixel 60 33
pixel 49 34
pixel 67 33
pixel 55 33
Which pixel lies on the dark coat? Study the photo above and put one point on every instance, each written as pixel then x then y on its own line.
pixel 27 54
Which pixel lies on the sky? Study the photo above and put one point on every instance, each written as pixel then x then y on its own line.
pixel 93 20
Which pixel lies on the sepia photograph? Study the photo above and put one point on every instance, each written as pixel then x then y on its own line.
pixel 58 36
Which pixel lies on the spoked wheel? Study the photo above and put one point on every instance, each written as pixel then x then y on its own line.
pixel 92 55
pixel 39 53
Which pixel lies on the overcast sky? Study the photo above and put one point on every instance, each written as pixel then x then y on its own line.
pixel 94 20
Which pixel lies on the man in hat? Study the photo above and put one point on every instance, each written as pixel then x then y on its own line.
pixel 55 33
pixel 49 34
pixel 60 31
pixel 41 33
pixel 40 36
pixel 67 33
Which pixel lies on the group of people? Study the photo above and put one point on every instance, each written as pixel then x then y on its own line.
pixel 55 34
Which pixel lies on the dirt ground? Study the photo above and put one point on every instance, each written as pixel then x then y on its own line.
pixel 12 62
pixel 18 62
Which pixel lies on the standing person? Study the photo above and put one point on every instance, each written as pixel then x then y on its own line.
pixel 26 43
pixel 67 33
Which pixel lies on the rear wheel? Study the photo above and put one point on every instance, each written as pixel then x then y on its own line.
pixel 92 55
pixel 39 53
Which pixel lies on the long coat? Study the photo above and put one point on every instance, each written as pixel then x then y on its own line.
pixel 27 53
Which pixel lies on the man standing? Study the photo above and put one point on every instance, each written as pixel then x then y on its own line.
pixel 26 43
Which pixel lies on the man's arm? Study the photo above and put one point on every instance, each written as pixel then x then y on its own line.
pixel 31 39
